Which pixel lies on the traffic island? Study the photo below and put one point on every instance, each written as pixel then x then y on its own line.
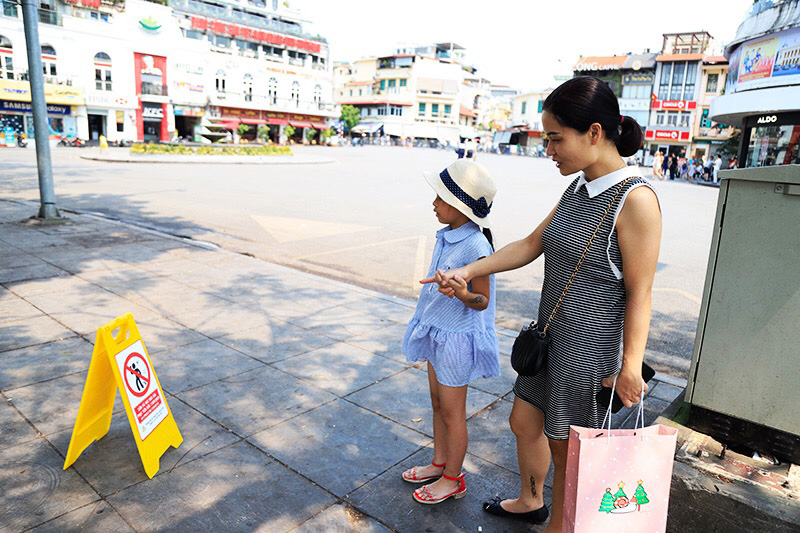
pixel 235 154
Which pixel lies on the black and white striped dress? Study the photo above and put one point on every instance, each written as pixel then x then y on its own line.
pixel 586 332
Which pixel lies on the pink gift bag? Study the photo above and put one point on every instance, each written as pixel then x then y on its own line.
pixel 618 480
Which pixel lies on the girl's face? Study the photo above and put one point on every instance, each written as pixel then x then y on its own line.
pixel 571 150
pixel 446 213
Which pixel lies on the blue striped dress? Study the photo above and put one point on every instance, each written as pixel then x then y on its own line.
pixel 460 343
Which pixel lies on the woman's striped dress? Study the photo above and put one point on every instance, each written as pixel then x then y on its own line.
pixel 586 332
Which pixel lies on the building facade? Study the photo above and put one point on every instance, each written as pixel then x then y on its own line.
pixel 140 70
pixel 709 137
pixel 676 89
pixel 762 93
pixel 414 93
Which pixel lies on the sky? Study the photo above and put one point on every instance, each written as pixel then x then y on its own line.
pixel 521 43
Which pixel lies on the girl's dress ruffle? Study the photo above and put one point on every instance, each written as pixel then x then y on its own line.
pixel 458 357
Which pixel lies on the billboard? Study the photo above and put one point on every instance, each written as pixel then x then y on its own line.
pixel 769 61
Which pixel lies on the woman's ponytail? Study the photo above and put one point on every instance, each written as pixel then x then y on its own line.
pixel 630 138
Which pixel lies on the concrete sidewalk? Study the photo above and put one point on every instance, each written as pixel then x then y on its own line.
pixel 297 408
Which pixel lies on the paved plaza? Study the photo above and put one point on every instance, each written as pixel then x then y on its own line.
pixel 367 220
pixel 297 409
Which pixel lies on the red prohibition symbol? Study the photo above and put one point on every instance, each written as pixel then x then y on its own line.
pixel 139 383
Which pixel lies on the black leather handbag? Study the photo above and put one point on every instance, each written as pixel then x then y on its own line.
pixel 529 353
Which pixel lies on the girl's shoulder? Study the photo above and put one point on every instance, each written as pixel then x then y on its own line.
pixel 477 244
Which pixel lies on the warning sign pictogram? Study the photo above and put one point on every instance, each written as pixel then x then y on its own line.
pixel 120 361
pixel 137 382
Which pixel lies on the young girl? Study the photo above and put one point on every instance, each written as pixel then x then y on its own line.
pixel 453 326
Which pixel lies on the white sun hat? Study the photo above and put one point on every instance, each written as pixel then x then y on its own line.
pixel 468 187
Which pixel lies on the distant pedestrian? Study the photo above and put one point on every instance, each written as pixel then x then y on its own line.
pixel 665 167
pixel 734 163
pixel 691 170
pixel 684 169
pixel 658 160
pixel 717 166
pixel 103 144
pixel 673 167
pixel 455 335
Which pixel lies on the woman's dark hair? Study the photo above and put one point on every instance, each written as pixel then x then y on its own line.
pixel 580 102
pixel 488 234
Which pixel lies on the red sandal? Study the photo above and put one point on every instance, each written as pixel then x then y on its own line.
pixel 412 477
pixel 424 495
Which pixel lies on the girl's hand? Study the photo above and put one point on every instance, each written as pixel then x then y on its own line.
pixel 442 278
pixel 459 287
pixel 629 385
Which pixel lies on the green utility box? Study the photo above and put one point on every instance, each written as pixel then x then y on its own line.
pixel 744 382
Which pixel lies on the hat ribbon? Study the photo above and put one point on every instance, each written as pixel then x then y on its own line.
pixel 479 207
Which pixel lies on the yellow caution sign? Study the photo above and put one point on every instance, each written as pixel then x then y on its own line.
pixel 121 361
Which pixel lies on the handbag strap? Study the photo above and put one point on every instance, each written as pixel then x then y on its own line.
pixel 585 251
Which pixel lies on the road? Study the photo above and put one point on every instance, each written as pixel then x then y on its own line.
pixel 368 219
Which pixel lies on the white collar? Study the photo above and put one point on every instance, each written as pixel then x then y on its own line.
pixel 603 183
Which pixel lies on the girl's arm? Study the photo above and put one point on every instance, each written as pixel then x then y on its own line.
pixel 478 297
pixel 514 255
pixel 639 235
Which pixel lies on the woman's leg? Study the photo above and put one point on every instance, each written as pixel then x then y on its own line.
pixel 453 409
pixel 558 449
pixel 533 454
pixel 439 432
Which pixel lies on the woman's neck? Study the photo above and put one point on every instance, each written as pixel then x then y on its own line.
pixel 605 164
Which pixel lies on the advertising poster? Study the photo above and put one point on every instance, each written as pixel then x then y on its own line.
pixel 787 60
pixel 757 59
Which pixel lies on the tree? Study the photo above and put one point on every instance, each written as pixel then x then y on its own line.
pixel 310 134
pixel 243 128
pixel 351 116
pixel 263 132
pixel 641 495
pixel 326 134
pixel 620 493
pixel 607 505
pixel 288 130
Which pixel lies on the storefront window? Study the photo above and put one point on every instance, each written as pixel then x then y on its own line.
pixel 55 125
pixel 774 145
pixel 11 121
pixel 677 81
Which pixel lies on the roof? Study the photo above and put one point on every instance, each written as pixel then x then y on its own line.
pixel 712 60
pixel 466 112
pixel 680 57
pixel 640 61
pixel 600 63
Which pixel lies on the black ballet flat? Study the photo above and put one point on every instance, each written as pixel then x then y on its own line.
pixel 539 516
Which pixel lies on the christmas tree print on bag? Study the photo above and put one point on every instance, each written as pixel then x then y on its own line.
pixel 618 503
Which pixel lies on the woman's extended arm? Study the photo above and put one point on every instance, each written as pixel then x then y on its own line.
pixel 639 235
pixel 515 255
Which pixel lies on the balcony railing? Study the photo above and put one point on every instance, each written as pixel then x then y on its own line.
pixel 270 102
pixel 228 14
pixel 153 89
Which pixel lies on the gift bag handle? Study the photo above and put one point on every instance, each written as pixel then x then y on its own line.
pixel 639 413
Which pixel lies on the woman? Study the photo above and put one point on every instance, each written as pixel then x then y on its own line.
pixel 658 160
pixel 602 307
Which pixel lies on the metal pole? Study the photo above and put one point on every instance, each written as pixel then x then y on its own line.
pixel 30 20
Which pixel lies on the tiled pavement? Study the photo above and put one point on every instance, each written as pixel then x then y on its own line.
pixel 297 408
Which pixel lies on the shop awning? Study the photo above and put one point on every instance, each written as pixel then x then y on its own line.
pixel 502 137
pixel 277 121
pixel 299 124
pixel 367 128
pixel 230 124
pixel 319 126
pixel 254 121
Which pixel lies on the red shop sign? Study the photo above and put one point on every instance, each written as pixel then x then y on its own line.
pixel 675 105
pixel 668 135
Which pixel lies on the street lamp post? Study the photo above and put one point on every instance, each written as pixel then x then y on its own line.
pixel 30 20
